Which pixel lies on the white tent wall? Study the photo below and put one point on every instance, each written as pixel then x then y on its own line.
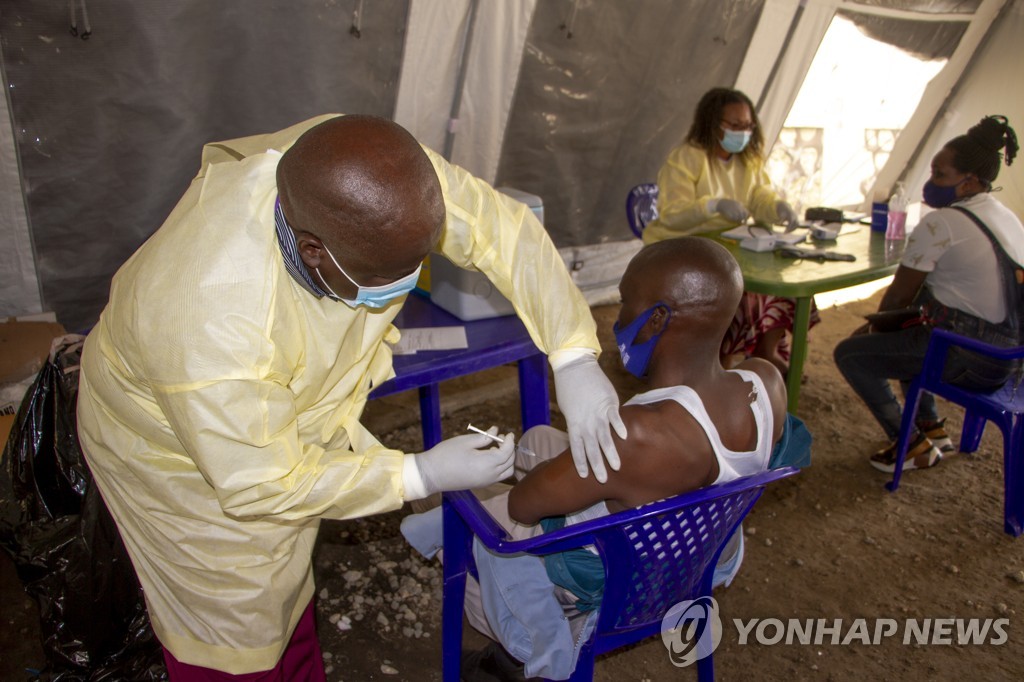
pixel 778 60
pixel 605 90
pixel 472 130
pixel 436 34
pixel 575 101
pixel 992 84
pixel 936 94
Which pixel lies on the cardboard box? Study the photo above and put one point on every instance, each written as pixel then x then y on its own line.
pixel 24 346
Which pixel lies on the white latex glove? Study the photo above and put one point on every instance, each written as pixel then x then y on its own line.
pixel 591 408
pixel 730 209
pixel 787 215
pixel 462 462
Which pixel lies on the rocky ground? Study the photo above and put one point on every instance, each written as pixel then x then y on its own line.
pixel 830 543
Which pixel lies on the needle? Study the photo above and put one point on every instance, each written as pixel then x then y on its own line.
pixel 525 451
pixel 484 433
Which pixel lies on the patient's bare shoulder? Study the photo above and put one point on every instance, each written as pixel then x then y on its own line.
pixel 666 452
pixel 775 385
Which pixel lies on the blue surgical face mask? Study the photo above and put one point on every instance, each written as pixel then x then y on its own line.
pixel 735 141
pixel 937 196
pixel 637 356
pixel 373 297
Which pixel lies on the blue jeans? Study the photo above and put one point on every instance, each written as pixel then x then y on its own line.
pixel 869 361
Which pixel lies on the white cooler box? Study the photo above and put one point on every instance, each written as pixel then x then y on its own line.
pixel 470 295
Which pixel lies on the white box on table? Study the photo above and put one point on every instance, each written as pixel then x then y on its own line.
pixel 470 295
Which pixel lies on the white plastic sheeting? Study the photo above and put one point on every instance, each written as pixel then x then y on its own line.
pixel 436 35
pixel 991 84
pixel 575 101
pixel 109 130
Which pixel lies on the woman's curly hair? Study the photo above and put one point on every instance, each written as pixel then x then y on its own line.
pixel 707 120
pixel 978 152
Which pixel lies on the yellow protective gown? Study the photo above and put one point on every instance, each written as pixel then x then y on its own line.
pixel 220 401
pixel 689 179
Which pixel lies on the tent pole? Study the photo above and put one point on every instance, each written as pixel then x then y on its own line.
pixel 460 82
pixel 766 88
pixel 8 231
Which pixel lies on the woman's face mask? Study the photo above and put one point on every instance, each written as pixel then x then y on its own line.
pixel 737 124
pixel 373 297
pixel 938 196
pixel 940 190
pixel 637 356
pixel 735 141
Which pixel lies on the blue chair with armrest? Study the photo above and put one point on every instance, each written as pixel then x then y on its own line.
pixel 1004 407
pixel 641 206
pixel 654 557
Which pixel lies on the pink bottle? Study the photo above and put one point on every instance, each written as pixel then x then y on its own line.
pixel 896 228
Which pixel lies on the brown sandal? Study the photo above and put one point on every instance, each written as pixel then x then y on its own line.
pixel 921 454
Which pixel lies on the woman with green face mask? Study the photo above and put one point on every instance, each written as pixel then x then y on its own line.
pixel 714 180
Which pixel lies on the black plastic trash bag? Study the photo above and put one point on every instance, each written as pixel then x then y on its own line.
pixel 65 545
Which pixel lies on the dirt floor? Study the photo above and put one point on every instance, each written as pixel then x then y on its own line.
pixel 829 544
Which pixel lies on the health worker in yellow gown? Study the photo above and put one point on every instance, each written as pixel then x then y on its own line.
pixel 714 180
pixel 222 388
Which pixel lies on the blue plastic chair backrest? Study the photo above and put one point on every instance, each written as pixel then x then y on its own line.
pixel 641 206
pixel 655 556
pixel 657 562
pixel 939 344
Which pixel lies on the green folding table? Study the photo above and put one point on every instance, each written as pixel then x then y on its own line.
pixel 771 273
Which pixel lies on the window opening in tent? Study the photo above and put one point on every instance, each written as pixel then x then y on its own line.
pixel 857 96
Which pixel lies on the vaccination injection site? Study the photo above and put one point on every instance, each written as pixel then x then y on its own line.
pixel 474 341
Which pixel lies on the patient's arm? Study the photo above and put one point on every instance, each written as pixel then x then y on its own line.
pixel 554 487
pixel 649 471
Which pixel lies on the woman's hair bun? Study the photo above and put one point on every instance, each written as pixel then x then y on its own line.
pixel 990 132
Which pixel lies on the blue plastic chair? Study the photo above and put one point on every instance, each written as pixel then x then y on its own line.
pixel 1004 407
pixel 654 557
pixel 641 206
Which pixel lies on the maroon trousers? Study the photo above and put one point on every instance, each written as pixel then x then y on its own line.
pixel 302 660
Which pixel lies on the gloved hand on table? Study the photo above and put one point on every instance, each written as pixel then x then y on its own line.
pixel 591 408
pixel 458 463
pixel 730 209
pixel 787 215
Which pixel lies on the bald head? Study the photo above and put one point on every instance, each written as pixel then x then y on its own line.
pixel 697 277
pixel 365 184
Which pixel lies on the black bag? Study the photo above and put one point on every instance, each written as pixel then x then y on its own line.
pixel 895 320
pixel 65 545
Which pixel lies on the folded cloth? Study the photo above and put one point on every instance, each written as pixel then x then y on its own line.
pixel 794 448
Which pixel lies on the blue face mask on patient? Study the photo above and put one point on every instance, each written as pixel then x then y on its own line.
pixel 637 356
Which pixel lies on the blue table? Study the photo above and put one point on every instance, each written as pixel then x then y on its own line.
pixel 492 343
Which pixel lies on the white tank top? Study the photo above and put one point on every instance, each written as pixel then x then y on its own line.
pixel 731 464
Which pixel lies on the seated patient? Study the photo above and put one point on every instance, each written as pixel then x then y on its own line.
pixel 698 425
